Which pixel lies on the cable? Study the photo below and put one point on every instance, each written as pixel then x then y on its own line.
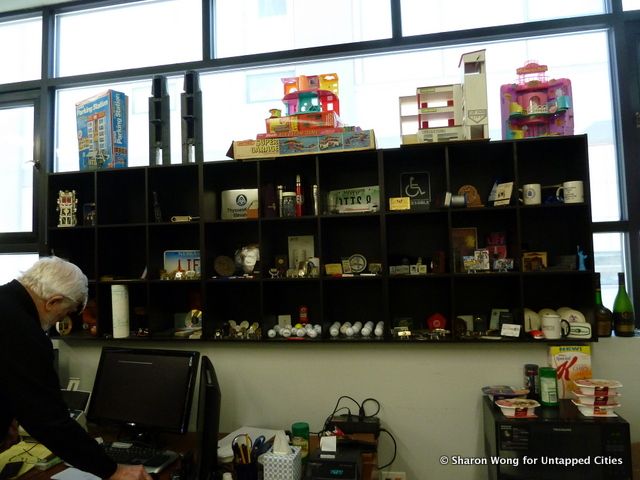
pixel 395 449
pixel 361 412
pixel 336 409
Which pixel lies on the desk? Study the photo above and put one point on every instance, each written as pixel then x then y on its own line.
pixel 178 443
pixel 185 443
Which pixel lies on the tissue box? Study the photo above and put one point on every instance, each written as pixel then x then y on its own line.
pixel 283 467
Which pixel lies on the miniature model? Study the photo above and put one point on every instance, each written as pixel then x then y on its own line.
pixel 452 112
pixel 535 106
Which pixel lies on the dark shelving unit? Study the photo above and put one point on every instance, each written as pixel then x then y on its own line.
pixel 133 228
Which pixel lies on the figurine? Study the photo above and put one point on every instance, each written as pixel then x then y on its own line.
pixel 581 258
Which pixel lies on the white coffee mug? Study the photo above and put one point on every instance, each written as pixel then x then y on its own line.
pixel 572 192
pixel 551 326
pixel 531 194
pixel 576 330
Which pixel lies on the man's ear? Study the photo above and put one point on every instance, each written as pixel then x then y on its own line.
pixel 53 301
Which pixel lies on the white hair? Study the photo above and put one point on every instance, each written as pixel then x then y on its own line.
pixel 52 276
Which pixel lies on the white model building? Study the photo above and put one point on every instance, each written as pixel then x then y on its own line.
pixel 449 112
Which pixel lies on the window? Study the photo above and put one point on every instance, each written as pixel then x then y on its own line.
pixel 16 181
pixel 420 17
pixel 115 38
pixel 610 253
pixel 244 27
pixel 138 93
pixel 22 61
pixel 370 87
pixel 11 265
pixel 631 4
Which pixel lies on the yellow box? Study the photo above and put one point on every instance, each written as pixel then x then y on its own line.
pixel 572 362
pixel 399 203
pixel 333 268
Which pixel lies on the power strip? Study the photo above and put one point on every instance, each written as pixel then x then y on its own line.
pixel 355 424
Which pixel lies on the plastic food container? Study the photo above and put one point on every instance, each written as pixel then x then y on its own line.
pixel 517 407
pixel 596 410
pixel 597 387
pixel 609 399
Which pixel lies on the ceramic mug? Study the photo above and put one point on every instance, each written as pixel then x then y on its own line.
pixel 551 326
pixel 531 194
pixel 577 330
pixel 572 192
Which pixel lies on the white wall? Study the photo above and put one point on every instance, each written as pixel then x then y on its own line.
pixel 430 394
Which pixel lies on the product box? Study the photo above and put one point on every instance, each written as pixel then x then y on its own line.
pixel 102 131
pixel 283 467
pixel 572 362
pixel 303 121
pixel 303 145
pixel 239 204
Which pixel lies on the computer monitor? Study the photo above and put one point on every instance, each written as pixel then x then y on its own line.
pixel 208 424
pixel 144 390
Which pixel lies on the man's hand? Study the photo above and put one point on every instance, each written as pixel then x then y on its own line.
pixel 130 472
pixel 11 438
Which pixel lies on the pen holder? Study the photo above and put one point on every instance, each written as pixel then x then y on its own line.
pixel 246 471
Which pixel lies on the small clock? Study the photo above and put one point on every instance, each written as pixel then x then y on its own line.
pixel 358 263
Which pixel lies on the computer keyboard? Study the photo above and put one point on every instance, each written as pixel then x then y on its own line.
pixel 153 460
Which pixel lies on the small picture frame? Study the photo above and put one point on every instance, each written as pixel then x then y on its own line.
pixel 503 194
pixel 534 261
pixel 346 266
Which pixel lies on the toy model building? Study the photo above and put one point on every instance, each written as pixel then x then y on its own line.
pixel 535 106
pixel 450 112
pixel 311 125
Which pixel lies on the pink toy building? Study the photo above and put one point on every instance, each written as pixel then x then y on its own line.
pixel 536 106
pixel 311 93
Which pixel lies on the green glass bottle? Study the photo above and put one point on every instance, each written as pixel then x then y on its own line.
pixel 604 316
pixel 623 317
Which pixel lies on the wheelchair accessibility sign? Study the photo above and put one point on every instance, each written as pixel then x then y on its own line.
pixel 416 186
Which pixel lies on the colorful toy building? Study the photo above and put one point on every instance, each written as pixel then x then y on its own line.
pixel 312 124
pixel 536 106
pixel 311 103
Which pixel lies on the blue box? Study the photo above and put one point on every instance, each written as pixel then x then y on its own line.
pixel 102 131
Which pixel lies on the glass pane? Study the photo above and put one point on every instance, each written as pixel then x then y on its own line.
pixel 23 60
pixel 244 27
pixel 66 150
pixel 16 181
pixel 609 259
pixel 370 88
pixel 119 37
pixel 631 4
pixel 419 17
pixel 13 264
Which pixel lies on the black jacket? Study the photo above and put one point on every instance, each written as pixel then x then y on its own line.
pixel 30 388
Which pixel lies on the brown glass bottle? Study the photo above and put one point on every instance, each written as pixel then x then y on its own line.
pixel 604 317
pixel 623 317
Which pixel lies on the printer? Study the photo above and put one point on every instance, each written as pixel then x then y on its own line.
pixel 343 464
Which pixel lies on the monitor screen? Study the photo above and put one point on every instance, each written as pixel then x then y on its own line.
pixel 144 389
pixel 208 425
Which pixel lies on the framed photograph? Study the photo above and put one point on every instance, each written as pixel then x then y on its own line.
pixel 464 241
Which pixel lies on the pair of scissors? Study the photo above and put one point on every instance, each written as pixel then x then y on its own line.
pixel 242 447
pixel 260 446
